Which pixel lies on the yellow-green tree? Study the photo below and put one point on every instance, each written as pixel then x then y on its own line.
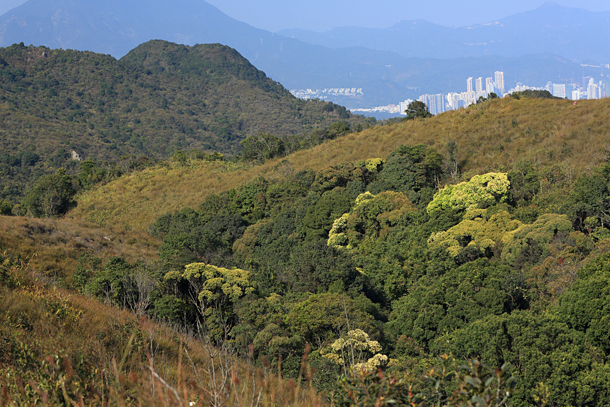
pixel 212 291
pixel 481 229
pixel 370 217
pixel 485 189
pixel 356 352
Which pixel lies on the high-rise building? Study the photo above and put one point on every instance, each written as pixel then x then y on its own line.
pixel 479 85
pixel 404 106
pixel 499 80
pixel 469 85
pixel 489 85
pixel 559 90
pixel 435 103
pixel 592 90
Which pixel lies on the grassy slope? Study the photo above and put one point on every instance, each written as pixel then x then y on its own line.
pixel 495 136
pixel 53 246
pixel 58 348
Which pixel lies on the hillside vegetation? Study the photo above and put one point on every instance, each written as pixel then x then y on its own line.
pixel 458 260
pixel 557 138
pixel 160 98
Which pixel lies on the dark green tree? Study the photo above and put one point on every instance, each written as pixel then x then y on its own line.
pixel 417 109
pixel 262 146
pixel 51 195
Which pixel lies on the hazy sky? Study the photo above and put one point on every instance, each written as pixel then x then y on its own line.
pixel 320 15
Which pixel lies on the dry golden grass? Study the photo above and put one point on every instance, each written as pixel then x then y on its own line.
pixel 54 245
pixel 59 348
pixel 495 136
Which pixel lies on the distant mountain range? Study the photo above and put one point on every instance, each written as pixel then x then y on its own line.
pixel 572 33
pixel 114 27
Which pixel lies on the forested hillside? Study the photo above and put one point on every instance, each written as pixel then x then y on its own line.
pixel 158 99
pixel 557 138
pixel 457 260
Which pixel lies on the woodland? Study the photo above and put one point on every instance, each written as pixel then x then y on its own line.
pixel 156 100
pixel 455 260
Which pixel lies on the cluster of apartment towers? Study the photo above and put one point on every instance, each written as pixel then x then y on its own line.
pixel 452 101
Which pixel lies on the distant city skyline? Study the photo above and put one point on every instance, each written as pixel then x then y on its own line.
pixel 318 15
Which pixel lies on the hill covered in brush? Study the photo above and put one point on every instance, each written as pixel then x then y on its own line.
pixel 554 136
pixel 433 250
pixel 160 98
pixel 479 234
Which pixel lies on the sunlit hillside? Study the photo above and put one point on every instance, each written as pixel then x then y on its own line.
pixel 499 135
pixel 60 348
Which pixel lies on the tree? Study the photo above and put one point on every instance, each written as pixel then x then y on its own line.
pixel 338 129
pixel 51 195
pixel 213 291
pixel 262 146
pixel 356 352
pixel 323 317
pixel 415 170
pixel 487 189
pixel 417 109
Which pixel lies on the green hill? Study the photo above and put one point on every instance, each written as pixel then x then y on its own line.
pixel 160 98
pixel 436 250
pixel 557 138
pixel 479 234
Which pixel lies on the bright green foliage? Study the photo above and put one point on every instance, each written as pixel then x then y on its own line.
pixel 487 189
pixel 51 195
pixel 219 284
pixel 356 352
pixel 480 229
pixel 337 236
pixel 539 235
pixel 213 291
pixel 374 164
pixel 370 216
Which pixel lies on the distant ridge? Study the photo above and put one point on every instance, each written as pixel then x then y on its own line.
pixel 115 27
pixel 551 28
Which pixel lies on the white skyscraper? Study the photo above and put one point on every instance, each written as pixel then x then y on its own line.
pixel 489 85
pixel 559 90
pixel 469 85
pixel 499 79
pixel 479 85
pixel 592 90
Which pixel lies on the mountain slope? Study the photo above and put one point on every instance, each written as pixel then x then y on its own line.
pixel 500 135
pixel 160 98
pixel 385 77
pixel 115 27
